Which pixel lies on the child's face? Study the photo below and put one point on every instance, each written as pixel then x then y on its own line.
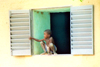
pixel 46 35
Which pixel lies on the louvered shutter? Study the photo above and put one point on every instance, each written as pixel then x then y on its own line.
pixel 81 29
pixel 20 32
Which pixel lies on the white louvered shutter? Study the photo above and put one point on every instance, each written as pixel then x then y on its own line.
pixel 81 29
pixel 20 32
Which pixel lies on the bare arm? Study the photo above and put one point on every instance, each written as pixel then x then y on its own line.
pixel 36 39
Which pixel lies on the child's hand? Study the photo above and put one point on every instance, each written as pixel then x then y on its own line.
pixel 30 38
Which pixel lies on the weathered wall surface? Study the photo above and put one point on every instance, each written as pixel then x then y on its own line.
pixel 45 61
pixel 41 22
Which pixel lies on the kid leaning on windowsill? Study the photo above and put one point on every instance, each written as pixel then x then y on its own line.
pixel 49 46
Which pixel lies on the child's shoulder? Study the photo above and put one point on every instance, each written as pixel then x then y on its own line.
pixel 51 37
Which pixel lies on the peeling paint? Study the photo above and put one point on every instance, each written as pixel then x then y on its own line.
pixel 37 11
pixel 41 12
pixel 41 23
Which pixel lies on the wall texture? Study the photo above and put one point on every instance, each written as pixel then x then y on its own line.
pixel 41 23
pixel 45 61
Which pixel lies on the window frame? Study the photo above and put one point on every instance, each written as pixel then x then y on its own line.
pixel 70 28
pixel 31 27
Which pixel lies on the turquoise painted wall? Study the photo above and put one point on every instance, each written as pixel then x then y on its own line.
pixel 41 22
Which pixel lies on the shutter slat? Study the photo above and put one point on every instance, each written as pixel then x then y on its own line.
pixel 80 34
pixel 87 7
pixel 20 44
pixel 87 16
pixel 81 29
pixel 20 48
pixel 20 16
pixel 20 28
pixel 19 23
pixel 81 38
pixel 20 32
pixel 81 47
pixel 79 21
pixel 81 42
pixel 20 40
pixel 19 36
pixel 81 24
pixel 21 52
pixel 81 12
pixel 19 19
pixel 82 51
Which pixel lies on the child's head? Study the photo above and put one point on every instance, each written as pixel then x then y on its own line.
pixel 47 33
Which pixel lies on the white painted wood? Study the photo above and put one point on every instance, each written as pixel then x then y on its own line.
pixel 81 51
pixel 79 21
pixel 81 47
pixel 19 19
pixel 81 29
pixel 80 34
pixel 30 25
pixel 87 25
pixel 20 44
pixel 92 29
pixel 21 52
pixel 84 16
pixel 20 36
pixel 81 24
pixel 20 32
pixel 81 43
pixel 19 28
pixel 81 12
pixel 19 23
pixel 79 8
pixel 19 48
pixel 20 16
pixel 81 38
pixel 20 40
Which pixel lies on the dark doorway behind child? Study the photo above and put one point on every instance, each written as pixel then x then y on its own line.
pixel 60 27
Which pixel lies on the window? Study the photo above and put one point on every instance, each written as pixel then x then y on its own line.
pixel 81 30
pixel 20 32
pixel 72 29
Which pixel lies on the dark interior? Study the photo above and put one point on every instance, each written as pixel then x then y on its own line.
pixel 60 27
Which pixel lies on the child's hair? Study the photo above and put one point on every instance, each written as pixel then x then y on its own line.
pixel 48 31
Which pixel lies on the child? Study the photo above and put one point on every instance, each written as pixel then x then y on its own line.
pixel 49 45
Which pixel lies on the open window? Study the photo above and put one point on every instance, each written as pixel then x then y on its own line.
pixel 72 29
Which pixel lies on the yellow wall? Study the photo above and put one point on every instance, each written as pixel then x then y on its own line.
pixel 46 61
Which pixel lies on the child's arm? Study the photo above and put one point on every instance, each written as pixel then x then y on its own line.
pixel 36 39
